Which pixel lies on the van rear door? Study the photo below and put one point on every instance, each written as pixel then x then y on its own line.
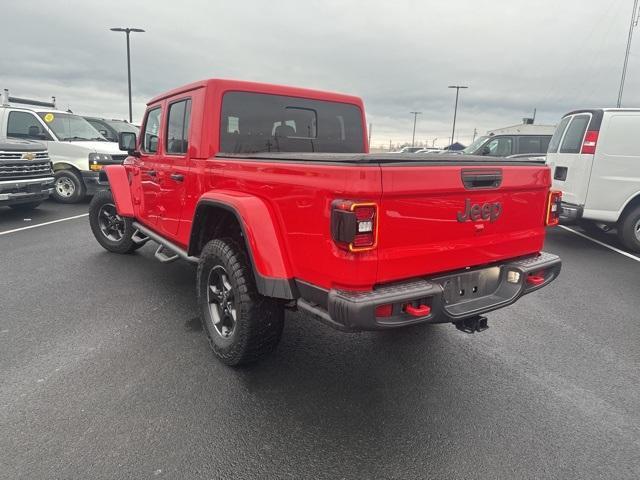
pixel 570 158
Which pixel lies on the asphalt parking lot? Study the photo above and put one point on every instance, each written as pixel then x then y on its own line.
pixel 105 373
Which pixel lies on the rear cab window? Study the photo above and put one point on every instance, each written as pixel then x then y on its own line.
pixel 573 138
pixel 256 122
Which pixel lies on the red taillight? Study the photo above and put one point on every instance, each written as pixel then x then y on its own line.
pixel 554 200
pixel 354 225
pixel 590 142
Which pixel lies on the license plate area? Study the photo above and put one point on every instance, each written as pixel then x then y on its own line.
pixel 470 285
pixel 34 188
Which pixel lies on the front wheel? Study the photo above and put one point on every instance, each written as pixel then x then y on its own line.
pixel 629 230
pixel 242 325
pixel 68 187
pixel 111 230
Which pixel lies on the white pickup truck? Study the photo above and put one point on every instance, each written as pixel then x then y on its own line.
pixel 78 151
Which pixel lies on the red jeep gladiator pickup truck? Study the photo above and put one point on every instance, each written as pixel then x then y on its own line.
pixel 271 191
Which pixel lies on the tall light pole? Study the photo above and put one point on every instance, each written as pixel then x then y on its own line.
pixel 634 23
pixel 455 111
pixel 128 31
pixel 415 119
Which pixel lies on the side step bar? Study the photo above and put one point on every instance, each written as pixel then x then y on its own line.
pixel 164 246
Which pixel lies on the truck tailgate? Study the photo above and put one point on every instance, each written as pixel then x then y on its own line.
pixel 436 218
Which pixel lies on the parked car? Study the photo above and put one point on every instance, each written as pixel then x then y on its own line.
pixel 595 156
pixel 78 151
pixel 511 145
pixel 111 128
pixel 26 175
pixel 410 149
pixel 271 192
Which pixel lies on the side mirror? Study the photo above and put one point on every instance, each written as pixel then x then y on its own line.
pixel 127 141
pixel 486 150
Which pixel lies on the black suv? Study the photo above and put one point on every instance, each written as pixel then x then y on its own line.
pixel 26 174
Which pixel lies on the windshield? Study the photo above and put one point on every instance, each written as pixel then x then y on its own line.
pixel 475 145
pixel 120 126
pixel 70 128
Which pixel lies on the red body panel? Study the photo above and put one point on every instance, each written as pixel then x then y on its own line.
pixel 285 206
pixel 119 183
pixel 419 231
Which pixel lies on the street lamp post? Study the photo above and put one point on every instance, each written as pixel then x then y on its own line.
pixel 415 119
pixel 455 111
pixel 128 31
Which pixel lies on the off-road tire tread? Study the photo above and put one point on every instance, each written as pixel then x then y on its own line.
pixel 261 319
pixel 124 246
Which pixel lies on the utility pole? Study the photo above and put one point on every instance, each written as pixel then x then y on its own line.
pixel 455 111
pixel 475 132
pixel 370 128
pixel 433 144
pixel 415 119
pixel 128 31
pixel 389 145
pixel 634 23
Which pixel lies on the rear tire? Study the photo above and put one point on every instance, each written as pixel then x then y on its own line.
pixel 68 187
pixel 242 325
pixel 629 230
pixel 111 230
pixel 25 207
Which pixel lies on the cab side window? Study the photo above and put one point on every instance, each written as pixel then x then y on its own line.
pixel 25 125
pixel 178 120
pixel 151 131
pixel 499 147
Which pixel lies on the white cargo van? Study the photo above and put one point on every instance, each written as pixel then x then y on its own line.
pixel 595 157
pixel 78 151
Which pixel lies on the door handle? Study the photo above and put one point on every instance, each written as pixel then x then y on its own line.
pixel 178 177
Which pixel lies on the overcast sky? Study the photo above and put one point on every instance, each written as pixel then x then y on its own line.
pixel 515 55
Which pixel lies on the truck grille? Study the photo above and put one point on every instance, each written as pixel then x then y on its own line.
pixel 13 168
pixel 18 156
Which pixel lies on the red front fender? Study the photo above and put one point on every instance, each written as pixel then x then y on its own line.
pixel 120 189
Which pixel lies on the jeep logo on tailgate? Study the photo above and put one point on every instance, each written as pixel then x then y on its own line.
pixel 475 211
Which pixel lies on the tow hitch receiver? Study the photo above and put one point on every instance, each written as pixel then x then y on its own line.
pixel 472 325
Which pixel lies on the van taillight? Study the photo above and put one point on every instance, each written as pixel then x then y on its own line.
pixel 354 226
pixel 553 208
pixel 590 142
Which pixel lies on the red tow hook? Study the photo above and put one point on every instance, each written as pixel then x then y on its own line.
pixel 421 311
pixel 535 280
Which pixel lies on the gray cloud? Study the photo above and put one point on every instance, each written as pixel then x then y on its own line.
pixel 399 56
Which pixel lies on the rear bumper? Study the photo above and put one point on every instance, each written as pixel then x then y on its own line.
pixel 14 192
pixel 451 298
pixel 570 213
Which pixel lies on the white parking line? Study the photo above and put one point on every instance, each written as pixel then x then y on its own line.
pixel 6 232
pixel 621 252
